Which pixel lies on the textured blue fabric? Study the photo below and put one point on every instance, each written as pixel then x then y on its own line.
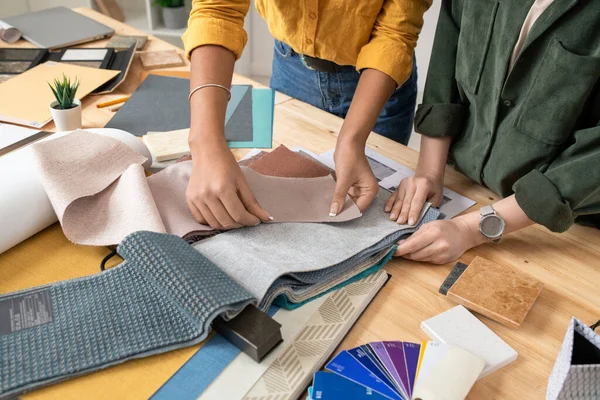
pixel 192 379
pixel 333 92
pixel 163 297
pixel 283 302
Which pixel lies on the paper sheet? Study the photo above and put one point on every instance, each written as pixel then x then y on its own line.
pixel 13 137
pixel 389 173
pixel 31 89
pixel 451 377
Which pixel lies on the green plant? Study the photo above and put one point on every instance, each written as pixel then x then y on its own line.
pixel 64 91
pixel 169 3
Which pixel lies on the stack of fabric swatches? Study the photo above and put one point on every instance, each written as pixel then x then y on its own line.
pixel 399 371
pixel 167 292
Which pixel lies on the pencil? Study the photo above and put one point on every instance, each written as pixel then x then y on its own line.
pixel 112 102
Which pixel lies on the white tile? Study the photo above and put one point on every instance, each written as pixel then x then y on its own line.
pixel 459 327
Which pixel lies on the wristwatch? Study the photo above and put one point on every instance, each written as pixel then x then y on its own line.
pixel 491 225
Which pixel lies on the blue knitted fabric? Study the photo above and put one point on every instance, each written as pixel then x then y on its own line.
pixel 163 297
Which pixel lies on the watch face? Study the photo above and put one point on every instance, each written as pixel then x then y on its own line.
pixel 492 226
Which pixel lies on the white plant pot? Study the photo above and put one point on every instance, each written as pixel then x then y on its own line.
pixel 66 120
pixel 174 17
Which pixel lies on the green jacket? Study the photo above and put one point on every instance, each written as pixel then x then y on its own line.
pixel 534 131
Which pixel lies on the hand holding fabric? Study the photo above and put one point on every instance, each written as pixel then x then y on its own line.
pixel 408 199
pixel 218 194
pixel 355 178
pixel 439 242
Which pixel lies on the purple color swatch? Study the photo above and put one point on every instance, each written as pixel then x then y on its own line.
pixel 411 356
pixel 395 351
pixel 382 354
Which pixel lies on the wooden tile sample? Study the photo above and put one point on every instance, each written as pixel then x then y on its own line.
pixel 499 292
pixel 160 59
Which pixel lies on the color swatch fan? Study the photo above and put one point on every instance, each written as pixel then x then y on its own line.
pixel 398 371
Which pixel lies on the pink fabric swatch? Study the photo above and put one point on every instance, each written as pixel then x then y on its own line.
pixel 100 193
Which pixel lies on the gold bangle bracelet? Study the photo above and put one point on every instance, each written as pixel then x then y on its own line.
pixel 209 85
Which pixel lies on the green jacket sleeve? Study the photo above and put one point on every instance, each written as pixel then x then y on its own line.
pixel 570 186
pixel 442 113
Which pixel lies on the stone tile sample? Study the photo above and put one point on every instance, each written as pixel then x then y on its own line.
pixel 499 292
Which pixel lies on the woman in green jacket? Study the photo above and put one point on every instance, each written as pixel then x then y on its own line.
pixel 512 100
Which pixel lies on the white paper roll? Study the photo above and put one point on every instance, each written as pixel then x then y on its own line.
pixel 24 207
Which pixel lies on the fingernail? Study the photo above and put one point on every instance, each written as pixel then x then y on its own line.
pixel 393 216
pixel 401 220
pixel 411 221
pixel 333 210
pixel 401 241
pixel 257 224
pixel 387 208
pixel 271 217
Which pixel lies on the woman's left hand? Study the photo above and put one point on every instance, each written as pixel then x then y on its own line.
pixel 439 242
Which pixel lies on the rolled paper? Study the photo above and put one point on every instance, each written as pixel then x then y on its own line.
pixel 10 35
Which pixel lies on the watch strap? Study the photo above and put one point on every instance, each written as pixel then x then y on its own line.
pixel 487 210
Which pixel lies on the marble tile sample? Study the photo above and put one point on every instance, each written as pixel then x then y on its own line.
pixel 458 327
pixel 499 292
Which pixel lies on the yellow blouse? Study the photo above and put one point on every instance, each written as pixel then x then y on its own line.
pixel 378 34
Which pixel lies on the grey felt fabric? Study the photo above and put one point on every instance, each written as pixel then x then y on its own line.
pixel 256 257
pixel 239 125
pixel 145 111
pixel 163 297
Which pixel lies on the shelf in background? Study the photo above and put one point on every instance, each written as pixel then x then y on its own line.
pixel 162 31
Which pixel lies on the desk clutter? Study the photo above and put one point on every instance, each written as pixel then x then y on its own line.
pixel 109 200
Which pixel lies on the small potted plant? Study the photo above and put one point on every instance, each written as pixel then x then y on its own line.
pixel 173 13
pixel 66 109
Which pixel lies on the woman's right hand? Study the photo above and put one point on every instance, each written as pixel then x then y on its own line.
pixel 406 202
pixel 218 194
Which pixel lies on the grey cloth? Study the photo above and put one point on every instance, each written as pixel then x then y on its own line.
pixel 163 297
pixel 256 257
pixel 145 111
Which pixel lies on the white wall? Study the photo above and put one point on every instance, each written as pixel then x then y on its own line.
pixel 425 43
pixel 14 7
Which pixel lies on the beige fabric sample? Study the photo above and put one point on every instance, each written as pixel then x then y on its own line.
pixel 287 199
pixel 97 188
pixel 538 7
pixel 99 191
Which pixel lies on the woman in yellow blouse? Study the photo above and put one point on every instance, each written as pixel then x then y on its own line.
pixel 352 58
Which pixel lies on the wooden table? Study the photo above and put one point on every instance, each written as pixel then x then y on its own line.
pixel 568 264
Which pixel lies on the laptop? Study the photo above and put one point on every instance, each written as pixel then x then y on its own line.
pixel 58 27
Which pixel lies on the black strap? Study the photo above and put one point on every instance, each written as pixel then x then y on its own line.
pixel 105 259
pixel 596 325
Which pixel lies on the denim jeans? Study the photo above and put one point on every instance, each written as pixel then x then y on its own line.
pixel 333 91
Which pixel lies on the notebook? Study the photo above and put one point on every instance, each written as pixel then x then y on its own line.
pixel 14 61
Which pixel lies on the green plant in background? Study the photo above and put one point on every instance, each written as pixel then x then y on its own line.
pixel 64 91
pixel 169 3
